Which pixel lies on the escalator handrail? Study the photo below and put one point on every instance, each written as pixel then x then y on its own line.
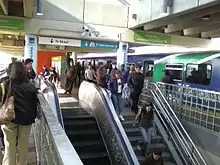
pixel 169 124
pixel 120 128
pixel 116 122
pixel 56 99
pixel 179 126
pixel 50 85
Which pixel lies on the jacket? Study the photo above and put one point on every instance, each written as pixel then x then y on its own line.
pixel 113 85
pixel 136 81
pixel 25 102
pixel 151 161
pixel 125 75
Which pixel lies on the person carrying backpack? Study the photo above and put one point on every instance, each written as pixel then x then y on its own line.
pixel 145 118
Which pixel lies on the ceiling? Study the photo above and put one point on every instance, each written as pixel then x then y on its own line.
pixel 199 22
pixel 19 8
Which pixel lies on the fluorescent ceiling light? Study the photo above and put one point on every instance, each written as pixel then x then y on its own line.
pixel 124 2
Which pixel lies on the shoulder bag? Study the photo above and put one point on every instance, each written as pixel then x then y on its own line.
pixel 7 113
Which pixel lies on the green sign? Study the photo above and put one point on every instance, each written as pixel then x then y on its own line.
pixel 99 44
pixel 11 24
pixel 152 38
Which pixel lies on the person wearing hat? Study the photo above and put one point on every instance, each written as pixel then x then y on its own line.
pixel 116 86
pixel 154 159
pixel 136 83
pixel 30 71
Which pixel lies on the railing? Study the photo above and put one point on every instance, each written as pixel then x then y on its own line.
pixel 200 107
pixel 180 138
pixel 95 100
pixel 50 93
pixel 52 145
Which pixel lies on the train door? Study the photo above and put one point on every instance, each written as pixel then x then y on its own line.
pixel 148 70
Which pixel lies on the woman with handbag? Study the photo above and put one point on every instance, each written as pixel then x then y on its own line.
pixel 17 114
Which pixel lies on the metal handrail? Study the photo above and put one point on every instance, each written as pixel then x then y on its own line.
pixel 177 125
pixel 50 86
pixel 108 109
pixel 176 131
pixel 124 136
pixel 56 101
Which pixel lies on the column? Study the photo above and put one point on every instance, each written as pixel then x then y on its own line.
pixel 30 50
pixel 122 56
pixel 74 57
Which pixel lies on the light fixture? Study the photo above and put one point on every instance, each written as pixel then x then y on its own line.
pixel 124 2
pixel 206 17
pixel 39 7
pixel 9 36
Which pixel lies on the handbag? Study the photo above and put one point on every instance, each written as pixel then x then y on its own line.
pixel 7 113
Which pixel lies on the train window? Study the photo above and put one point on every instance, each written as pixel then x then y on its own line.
pixel 199 73
pixel 177 75
pixel 148 68
pixel 176 71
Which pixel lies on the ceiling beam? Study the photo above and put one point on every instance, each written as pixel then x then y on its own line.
pixel 28 6
pixel 181 18
pixel 197 30
pixel 4 6
pixel 211 34
pixel 215 18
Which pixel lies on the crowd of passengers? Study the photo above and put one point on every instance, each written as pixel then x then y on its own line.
pixel 125 86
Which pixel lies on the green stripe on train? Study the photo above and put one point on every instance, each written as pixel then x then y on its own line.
pixel 177 59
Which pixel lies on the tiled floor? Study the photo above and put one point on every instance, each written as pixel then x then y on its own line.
pixel 32 160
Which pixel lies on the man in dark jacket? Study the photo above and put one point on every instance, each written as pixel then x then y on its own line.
pixel 70 74
pixel 154 159
pixel 136 82
pixel 30 71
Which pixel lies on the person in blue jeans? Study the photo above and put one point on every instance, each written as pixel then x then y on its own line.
pixel 145 117
pixel 116 86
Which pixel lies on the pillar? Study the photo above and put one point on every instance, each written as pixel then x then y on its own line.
pixel 74 57
pixel 30 50
pixel 122 56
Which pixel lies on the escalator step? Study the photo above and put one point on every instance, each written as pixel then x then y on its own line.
pixel 74 112
pixel 93 155
pixel 82 132
pixel 80 124
pixel 166 156
pixel 133 131
pixel 97 161
pixel 168 163
pixel 87 143
pixel 159 146
pixel 78 117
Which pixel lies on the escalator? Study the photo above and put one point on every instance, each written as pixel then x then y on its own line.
pixel 157 142
pixel 101 139
pixel 84 134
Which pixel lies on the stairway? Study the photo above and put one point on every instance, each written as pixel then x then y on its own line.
pixel 84 134
pixel 134 136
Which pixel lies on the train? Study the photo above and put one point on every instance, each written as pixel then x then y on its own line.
pixel 192 69
pixel 197 69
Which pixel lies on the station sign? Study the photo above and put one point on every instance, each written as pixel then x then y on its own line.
pixel 99 44
pixel 59 41
pixel 151 38
pixel 11 23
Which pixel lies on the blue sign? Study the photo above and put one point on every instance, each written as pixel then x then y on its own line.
pixel 31 40
pixel 99 44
